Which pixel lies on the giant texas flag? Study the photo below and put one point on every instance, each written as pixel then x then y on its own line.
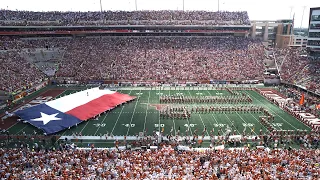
pixel 67 111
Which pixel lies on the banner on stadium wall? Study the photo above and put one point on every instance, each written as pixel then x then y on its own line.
pixel 205 82
pixel 191 83
pixel 250 81
pixel 20 95
pixel 30 90
pixel 95 82
pixel 218 82
pixel 41 85
pixel 126 83
pixel 110 82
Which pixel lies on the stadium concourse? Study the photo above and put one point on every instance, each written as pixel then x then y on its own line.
pixel 171 131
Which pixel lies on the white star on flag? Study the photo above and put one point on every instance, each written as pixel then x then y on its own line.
pixel 47 118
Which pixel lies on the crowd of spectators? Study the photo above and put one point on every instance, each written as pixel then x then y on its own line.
pixel 162 17
pixel 163 58
pixel 164 163
pixel 142 58
pixel 156 58
pixel 298 69
pixel 16 72
pixel 311 101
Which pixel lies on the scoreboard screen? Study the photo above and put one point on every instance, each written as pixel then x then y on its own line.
pixel 315 15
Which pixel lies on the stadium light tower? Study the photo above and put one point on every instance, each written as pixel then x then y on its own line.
pixel 183 5
pixel 136 4
pixel 304 7
pixel 291 7
pixel 101 5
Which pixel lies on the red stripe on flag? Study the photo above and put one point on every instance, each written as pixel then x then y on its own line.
pixel 99 105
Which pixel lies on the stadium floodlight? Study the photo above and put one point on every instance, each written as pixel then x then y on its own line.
pixel 136 5
pixel 183 5
pixel 100 6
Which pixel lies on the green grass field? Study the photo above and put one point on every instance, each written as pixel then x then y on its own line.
pixel 138 116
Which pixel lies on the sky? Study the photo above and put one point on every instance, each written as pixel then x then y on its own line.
pixel 257 9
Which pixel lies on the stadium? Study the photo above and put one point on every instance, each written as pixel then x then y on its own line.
pixel 165 94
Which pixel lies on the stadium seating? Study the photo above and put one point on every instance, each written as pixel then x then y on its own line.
pixel 298 69
pixel 16 72
pixel 24 62
pixel 125 58
pixel 165 163
pixel 163 17
pixel 169 58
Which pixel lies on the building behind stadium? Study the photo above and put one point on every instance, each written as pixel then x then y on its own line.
pixel 314 32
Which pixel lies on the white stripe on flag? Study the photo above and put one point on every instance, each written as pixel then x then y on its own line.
pixel 72 101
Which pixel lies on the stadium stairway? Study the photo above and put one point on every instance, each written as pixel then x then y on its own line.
pixel 44 59
pixel 3 95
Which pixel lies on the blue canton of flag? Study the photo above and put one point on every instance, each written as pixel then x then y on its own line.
pixel 47 118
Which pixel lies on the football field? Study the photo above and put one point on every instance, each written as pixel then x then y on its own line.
pixel 143 115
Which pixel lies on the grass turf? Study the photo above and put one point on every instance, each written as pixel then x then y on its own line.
pixel 138 116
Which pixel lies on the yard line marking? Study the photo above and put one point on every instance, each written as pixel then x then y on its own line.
pixel 145 118
pixel 246 123
pixel 231 123
pixel 273 110
pixel 103 119
pixel 212 113
pixel 174 124
pixel 189 127
pixel 21 130
pixel 229 118
pixel 159 112
pixel 200 117
pixel 118 117
pixel 84 126
pixel 258 121
pixel 134 110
